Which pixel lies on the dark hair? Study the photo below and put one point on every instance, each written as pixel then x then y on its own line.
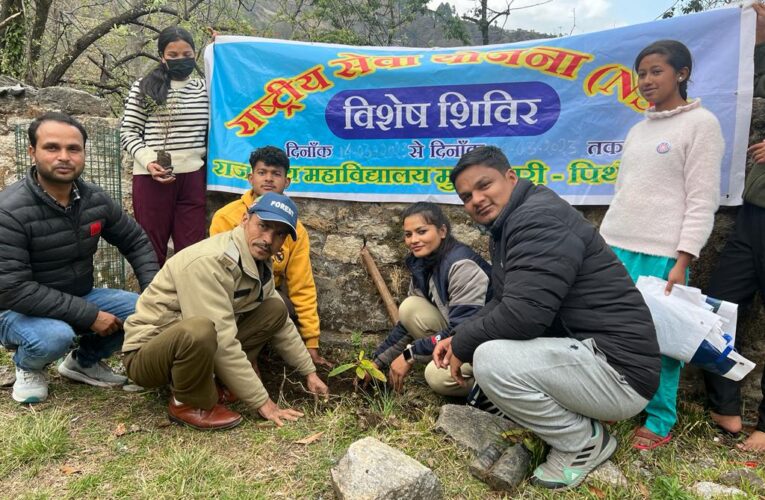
pixel 156 84
pixel 432 214
pixel 54 116
pixel 678 56
pixel 489 156
pixel 271 156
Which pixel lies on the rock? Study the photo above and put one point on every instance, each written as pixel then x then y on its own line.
pixel 743 477
pixel 706 489
pixel 12 91
pixel 641 469
pixel 384 255
pixel 705 462
pixel 343 249
pixel 72 101
pixel 471 236
pixel 472 428
pixel 510 470
pixel 610 474
pixel 373 470
pixel 482 464
pixel 7 376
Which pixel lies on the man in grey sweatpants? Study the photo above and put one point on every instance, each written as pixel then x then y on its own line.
pixel 567 339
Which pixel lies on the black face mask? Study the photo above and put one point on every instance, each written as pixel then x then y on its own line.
pixel 180 69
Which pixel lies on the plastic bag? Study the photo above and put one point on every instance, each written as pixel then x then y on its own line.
pixel 694 328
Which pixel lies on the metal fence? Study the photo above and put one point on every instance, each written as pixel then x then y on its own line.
pixel 102 167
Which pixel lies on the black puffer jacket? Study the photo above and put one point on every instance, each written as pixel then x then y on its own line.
pixel 46 254
pixel 553 275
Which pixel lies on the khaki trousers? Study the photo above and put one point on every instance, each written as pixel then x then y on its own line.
pixel 423 319
pixel 183 355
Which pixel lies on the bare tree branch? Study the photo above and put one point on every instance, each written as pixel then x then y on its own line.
pixel 9 19
pixel 85 41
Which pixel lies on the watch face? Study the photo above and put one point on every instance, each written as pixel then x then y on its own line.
pixel 408 353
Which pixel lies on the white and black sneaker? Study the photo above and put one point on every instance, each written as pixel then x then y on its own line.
pixel 568 470
pixel 99 375
pixel 477 399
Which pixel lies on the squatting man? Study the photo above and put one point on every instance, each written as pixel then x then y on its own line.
pixel 206 315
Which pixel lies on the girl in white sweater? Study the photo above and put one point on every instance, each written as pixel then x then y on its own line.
pixel 665 199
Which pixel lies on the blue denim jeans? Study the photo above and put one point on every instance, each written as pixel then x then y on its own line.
pixel 39 341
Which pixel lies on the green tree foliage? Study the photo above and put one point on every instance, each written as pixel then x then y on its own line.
pixel 12 38
pixel 353 22
pixel 691 6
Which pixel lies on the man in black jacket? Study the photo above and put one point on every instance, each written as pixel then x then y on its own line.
pixel 567 339
pixel 50 224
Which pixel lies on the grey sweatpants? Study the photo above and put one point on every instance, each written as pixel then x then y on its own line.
pixel 554 386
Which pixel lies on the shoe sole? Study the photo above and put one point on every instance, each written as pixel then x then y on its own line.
pixel 81 377
pixel 218 428
pixel 604 455
pixel 29 400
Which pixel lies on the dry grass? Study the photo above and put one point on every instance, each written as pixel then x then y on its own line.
pixel 70 447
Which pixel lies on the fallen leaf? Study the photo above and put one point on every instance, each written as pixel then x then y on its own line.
pixel 310 439
pixel 644 490
pixel 597 491
pixel 120 430
pixel 69 470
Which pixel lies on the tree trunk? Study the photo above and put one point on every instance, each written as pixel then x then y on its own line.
pixel 42 9
pixel 483 25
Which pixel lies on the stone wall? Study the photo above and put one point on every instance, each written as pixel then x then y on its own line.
pixel 348 301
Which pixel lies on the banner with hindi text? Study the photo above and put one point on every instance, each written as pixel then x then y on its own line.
pixel 388 124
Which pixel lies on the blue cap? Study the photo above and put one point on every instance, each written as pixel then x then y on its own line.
pixel 278 208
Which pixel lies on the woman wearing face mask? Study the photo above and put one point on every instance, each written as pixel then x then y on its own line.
pixel 166 112
pixel 450 283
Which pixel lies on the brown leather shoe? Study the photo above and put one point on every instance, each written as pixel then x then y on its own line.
pixel 219 417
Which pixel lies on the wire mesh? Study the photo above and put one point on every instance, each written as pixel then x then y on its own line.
pixel 103 168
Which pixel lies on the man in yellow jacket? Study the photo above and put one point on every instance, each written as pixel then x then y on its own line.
pixel 209 311
pixel 292 263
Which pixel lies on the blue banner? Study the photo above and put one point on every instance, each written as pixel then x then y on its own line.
pixel 388 124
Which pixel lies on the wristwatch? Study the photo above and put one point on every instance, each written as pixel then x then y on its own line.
pixel 409 354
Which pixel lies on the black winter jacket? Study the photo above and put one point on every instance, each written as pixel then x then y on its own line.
pixel 46 253
pixel 553 275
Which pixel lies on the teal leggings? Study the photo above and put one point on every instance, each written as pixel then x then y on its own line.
pixel 662 409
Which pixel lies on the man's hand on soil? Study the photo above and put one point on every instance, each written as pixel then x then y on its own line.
pixel 270 411
pixel 316 386
pixel 399 369
pixel 318 359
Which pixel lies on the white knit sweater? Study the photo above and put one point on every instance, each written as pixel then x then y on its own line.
pixel 668 187
pixel 180 128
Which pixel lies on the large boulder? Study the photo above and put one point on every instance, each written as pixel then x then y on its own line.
pixel 372 470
